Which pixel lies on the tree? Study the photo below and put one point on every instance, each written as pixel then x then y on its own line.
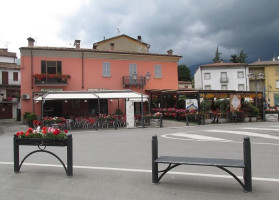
pixel 242 56
pixel 217 56
pixel 184 73
pixel 234 58
pixel 239 59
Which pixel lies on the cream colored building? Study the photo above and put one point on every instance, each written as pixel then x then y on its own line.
pixel 122 43
pixel 266 78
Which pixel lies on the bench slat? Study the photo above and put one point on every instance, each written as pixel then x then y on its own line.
pixel 201 161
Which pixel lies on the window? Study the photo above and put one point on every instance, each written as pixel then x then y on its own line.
pixel 224 87
pixel 240 74
pixel 15 76
pixel 158 71
pixel 277 71
pixel 51 67
pixel 206 76
pixel 277 83
pixel 207 87
pixel 106 69
pixel 240 87
pixel 224 77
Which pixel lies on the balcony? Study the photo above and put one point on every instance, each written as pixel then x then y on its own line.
pixel 128 81
pixel 51 79
pixel 224 80
pixel 51 82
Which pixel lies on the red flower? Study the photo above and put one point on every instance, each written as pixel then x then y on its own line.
pixel 65 131
pixel 27 133
pixel 56 132
pixel 30 130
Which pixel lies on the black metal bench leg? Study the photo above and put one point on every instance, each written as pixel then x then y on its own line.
pixel 70 156
pixel 16 156
pixel 247 174
pixel 155 178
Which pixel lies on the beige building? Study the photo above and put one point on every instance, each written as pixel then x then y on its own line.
pixel 122 43
pixel 266 77
pixel 185 85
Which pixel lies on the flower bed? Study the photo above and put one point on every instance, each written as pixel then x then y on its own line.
pixel 57 76
pixel 47 133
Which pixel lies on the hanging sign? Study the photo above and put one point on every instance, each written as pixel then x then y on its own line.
pixel 235 102
pixel 191 104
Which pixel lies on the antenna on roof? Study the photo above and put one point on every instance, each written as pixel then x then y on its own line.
pixel 7 44
pixel 118 30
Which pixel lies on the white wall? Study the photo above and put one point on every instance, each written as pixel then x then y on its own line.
pixel 5 59
pixel 10 76
pixel 215 79
pixel 198 80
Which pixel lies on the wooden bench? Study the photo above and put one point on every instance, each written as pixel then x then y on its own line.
pixel 174 161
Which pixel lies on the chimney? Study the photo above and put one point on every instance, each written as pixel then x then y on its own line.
pixel 259 60
pixel 77 44
pixel 30 42
pixel 170 52
pixel 139 38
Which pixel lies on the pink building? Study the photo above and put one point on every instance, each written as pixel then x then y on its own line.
pixel 107 66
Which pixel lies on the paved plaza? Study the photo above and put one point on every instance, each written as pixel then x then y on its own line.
pixel 116 164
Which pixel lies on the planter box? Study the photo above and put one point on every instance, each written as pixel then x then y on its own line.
pixel 246 119
pixel 252 119
pixel 271 117
pixel 42 142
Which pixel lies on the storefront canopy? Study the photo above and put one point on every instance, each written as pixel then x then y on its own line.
pixel 107 94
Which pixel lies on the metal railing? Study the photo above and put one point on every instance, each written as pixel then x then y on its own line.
pixel 129 81
pixel 51 81
pixel 224 79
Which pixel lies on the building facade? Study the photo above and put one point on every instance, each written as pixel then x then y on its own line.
pixel 266 78
pixel 10 79
pixel 222 76
pixel 77 69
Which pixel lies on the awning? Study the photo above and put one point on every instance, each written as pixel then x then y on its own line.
pixel 108 94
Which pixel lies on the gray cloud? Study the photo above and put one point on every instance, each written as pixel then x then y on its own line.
pixel 191 28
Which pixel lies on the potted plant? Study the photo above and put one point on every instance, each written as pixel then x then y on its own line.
pixel 253 112
pixel 224 110
pixel 204 110
pixel 30 118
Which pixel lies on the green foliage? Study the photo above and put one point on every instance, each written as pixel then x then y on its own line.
pixel 224 106
pixel 184 73
pixel 253 110
pixel 31 117
pixel 239 59
pixel 217 56
pixel 25 115
pixel 205 106
pixel 118 112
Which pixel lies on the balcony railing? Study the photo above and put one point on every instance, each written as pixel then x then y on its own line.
pixel 51 81
pixel 224 80
pixel 128 81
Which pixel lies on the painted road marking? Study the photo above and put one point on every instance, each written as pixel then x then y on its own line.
pixel 145 171
pixel 188 136
pixel 244 133
pixel 259 128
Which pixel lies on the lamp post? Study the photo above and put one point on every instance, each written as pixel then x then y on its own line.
pixel 259 76
pixel 141 81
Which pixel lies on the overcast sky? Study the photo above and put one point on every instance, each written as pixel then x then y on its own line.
pixel 191 28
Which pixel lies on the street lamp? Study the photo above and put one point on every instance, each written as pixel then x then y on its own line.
pixel 142 82
pixel 259 76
